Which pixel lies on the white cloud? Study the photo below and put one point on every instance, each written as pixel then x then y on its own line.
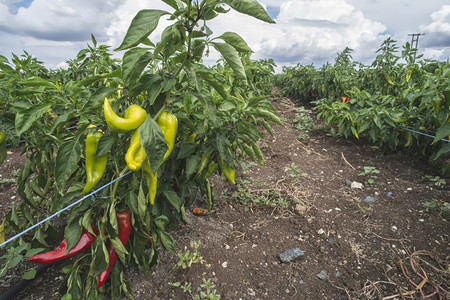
pixel 440 21
pixel 308 31
pixel 58 20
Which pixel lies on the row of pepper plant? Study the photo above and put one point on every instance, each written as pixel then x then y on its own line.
pixel 381 102
pixel 159 119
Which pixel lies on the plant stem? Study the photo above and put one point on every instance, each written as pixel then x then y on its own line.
pixel 116 184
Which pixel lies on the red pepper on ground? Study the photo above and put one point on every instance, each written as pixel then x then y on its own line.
pixel 124 221
pixel 85 241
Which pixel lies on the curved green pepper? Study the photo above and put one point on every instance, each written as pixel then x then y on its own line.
pixel 151 180
pixel 95 166
pixel 133 118
pixel 135 155
pixel 169 125
pixel 227 170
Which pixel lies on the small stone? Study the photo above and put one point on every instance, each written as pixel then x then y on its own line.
pixel 348 183
pixel 356 185
pixel 389 194
pixel 409 189
pixel 225 264
pixel 394 228
pixel 338 274
pixel 320 231
pixel 301 282
pixel 251 292
pixel 300 209
pixel 331 240
pixel 370 199
pixel 291 254
pixel 323 275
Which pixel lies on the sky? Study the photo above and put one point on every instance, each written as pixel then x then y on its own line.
pixel 306 31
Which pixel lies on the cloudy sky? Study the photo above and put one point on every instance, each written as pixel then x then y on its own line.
pixel 306 31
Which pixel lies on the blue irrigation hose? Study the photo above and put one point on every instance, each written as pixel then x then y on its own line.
pixel 64 209
pixel 425 134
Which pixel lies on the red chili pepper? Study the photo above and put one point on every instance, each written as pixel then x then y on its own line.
pixel 124 221
pixel 86 239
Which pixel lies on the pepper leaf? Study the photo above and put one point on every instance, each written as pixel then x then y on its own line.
pixel 134 62
pixel 26 118
pixel 142 25
pixel 2 152
pixel 236 41
pixel 30 274
pixel 230 54
pixel 67 158
pixel 173 199
pixel 251 8
pixel 442 132
pixel 167 241
pixel 72 234
pixel 152 139
pixel 120 249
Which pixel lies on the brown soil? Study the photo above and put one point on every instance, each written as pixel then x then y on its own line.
pixel 368 250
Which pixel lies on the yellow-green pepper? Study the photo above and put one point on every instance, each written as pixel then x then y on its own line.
pixel 169 125
pixel 227 170
pixel 2 136
pixel 135 155
pixel 151 180
pixel 95 166
pixel 133 118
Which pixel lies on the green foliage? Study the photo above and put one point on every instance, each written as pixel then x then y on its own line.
pixel 221 107
pixel 295 173
pixel 371 173
pixel 439 206
pixel 393 94
pixel 253 197
pixel 189 257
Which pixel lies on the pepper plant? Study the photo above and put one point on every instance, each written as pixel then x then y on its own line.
pixel 159 124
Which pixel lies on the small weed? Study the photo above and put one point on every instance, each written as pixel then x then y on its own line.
pixel 365 209
pixel 295 173
pixel 185 260
pixel 439 206
pixel 247 195
pixel 370 173
pixel 7 180
pixel 304 123
pixel 436 181
pixel 246 165
pixel 188 257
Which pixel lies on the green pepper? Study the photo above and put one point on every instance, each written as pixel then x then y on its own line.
pixel 2 136
pixel 169 125
pixel 95 166
pixel 151 180
pixel 212 167
pixel 133 118
pixel 203 163
pixel 437 104
pixel 191 138
pixel 135 155
pixel 227 170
